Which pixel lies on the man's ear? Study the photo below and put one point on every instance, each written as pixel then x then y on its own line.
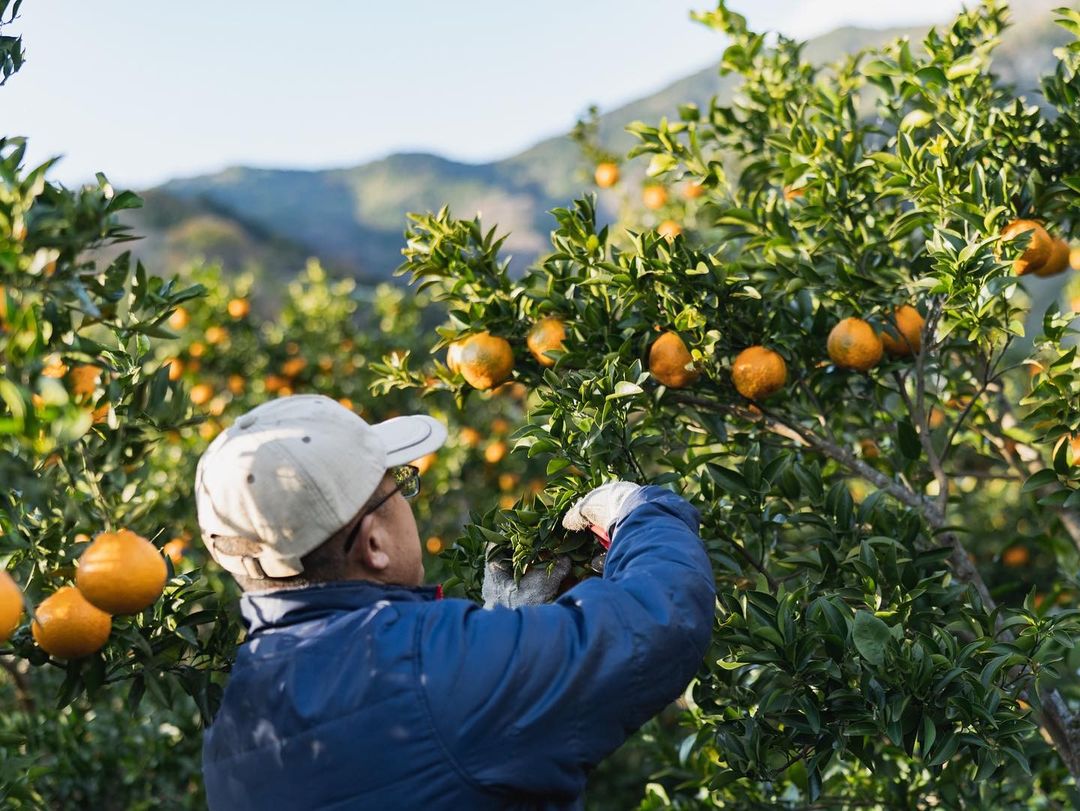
pixel 369 551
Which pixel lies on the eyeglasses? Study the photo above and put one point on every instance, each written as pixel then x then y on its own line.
pixel 407 479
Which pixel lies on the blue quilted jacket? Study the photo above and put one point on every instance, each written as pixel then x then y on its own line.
pixel 355 695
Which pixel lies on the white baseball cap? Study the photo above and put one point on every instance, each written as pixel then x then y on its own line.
pixel 290 473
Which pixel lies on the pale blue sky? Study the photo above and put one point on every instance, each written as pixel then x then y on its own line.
pixel 145 90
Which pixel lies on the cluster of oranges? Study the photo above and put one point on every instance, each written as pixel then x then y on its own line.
pixel 654 196
pixel 486 360
pixel 118 573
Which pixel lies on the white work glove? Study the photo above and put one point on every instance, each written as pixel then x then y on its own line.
pixel 535 587
pixel 599 507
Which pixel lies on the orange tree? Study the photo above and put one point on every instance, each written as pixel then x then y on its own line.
pixel 866 470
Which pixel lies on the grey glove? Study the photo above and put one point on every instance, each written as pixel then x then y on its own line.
pixel 599 507
pixel 535 587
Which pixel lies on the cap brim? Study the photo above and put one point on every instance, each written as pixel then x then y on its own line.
pixel 408 438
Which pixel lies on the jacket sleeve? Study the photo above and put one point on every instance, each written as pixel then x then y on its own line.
pixel 528 700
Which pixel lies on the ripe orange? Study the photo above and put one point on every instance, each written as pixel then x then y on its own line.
pixel 508 481
pixel 470 437
pixel 434 544
pixel 669 361
pixel 494 453
pixel 453 356
pixel 486 360
pixel 692 191
pixel 54 367
pixel 1074 258
pixel 121 572
pixel 758 372
pixel 239 307
pixel 237 384
pixel 654 197
pixel 84 380
pixel 424 463
pixel 669 229
pixel 909 324
pixel 606 175
pixel 201 393
pixel 1038 249
pixel 209 429
pixel 179 319
pixel 345 401
pixel 1016 556
pixel 216 335
pixel 293 366
pixel 100 414
pixel 197 349
pixel 854 345
pixel 175 367
pixel 547 335
pixel 275 383
pixel 11 605
pixel 67 626
pixel 175 550
pixel 1057 262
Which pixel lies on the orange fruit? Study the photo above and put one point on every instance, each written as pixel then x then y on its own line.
pixel 606 175
pixel 869 448
pixel 11 605
pixel 66 625
pixel 84 380
pixel 508 481
pixel 175 550
pixel 654 197
pixel 486 360
pixel 507 501
pixel 237 384
pixel 793 194
pixel 500 425
pixel 1074 258
pixel 54 367
pixel 669 361
pixel 1057 262
pixel 908 323
pixel 121 572
pixel 853 344
pixel 100 414
pixel 293 366
pixel 201 393
pixel 197 349
pixel 180 318
pixel 216 335
pixel 326 363
pixel 1038 249
pixel 758 372
pixel 275 383
pixel 175 367
pixel 345 401
pixel 470 437
pixel 209 429
pixel 669 229
pixel 239 307
pixel 546 335
pixel 494 453
pixel 692 191
pixel 453 356
pixel 1016 556
pixel 424 463
pixel 434 544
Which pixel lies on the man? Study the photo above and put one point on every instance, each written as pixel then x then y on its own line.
pixel 357 688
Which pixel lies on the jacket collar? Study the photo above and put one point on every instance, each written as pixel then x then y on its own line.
pixel 280 609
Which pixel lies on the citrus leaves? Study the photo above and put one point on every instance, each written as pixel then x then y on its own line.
pixel 871 637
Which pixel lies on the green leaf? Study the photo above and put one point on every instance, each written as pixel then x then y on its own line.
pixel 870 635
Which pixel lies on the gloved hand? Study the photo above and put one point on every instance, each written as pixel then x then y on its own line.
pixel 600 507
pixel 535 587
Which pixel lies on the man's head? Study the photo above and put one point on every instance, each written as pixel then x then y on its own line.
pixel 301 490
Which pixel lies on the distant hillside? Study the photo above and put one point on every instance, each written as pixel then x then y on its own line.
pixel 353 219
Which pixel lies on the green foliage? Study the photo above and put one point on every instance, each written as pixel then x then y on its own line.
pixel 871 648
